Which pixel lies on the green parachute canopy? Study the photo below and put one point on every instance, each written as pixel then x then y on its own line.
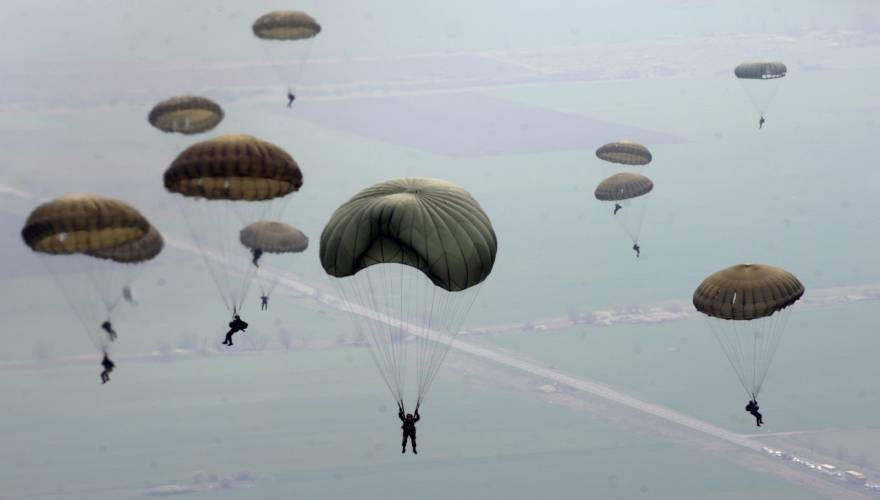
pixel 286 25
pixel 623 186
pixel 760 70
pixel 429 224
pixel 625 153
pixel 186 114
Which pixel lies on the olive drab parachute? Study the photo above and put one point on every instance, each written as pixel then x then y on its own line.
pixel 624 153
pixel 272 237
pixel 760 80
pixel 88 243
pixel 226 183
pixel 625 195
pixel 82 223
pixel 747 307
pixel 142 249
pixel 286 37
pixel 408 256
pixel 186 115
pixel 286 25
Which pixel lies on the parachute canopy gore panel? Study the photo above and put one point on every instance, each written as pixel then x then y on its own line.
pixel 429 224
pixel 625 153
pixel 234 167
pixel 82 223
pixel 286 25
pixel 747 291
pixel 623 186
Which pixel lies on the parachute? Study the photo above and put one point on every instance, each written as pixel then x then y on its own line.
pixel 92 246
pixel 625 153
pixel 747 307
pixel 626 190
pixel 287 34
pixel 272 237
pixel 760 80
pixel 223 184
pixel 409 256
pixel 286 25
pixel 186 115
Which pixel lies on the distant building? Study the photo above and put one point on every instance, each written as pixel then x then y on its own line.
pixel 854 476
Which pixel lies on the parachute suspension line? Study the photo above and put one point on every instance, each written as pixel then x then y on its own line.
pixel 763 336
pixel 81 310
pixel 455 310
pixel 275 57
pixel 365 333
pixel 730 347
pixel 206 260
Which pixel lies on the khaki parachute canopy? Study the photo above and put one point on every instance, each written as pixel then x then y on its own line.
pixel 82 223
pixel 429 224
pixel 760 70
pixel 747 291
pixel 624 152
pixel 233 167
pixel 286 25
pixel 186 114
pixel 140 250
pixel 273 237
pixel 623 186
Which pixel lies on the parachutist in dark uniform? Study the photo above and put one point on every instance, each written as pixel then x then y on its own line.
pixel 617 207
pixel 637 249
pixel 236 325
pixel 290 98
pixel 108 367
pixel 409 428
pixel 761 123
pixel 257 254
pixel 753 408
pixel 264 302
pixel 108 327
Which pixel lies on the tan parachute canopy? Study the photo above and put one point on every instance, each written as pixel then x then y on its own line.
pixel 430 224
pixel 747 291
pixel 186 114
pixel 760 70
pixel 273 237
pixel 624 152
pixel 140 250
pixel 82 223
pixel 233 167
pixel 286 25
pixel 623 186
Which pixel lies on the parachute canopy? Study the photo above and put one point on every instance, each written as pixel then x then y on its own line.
pixel 429 224
pixel 82 223
pixel 233 167
pixel 623 186
pixel 286 25
pixel 140 250
pixel 747 291
pixel 760 70
pixel 186 114
pixel 410 255
pixel 747 308
pixel 273 237
pixel 624 152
